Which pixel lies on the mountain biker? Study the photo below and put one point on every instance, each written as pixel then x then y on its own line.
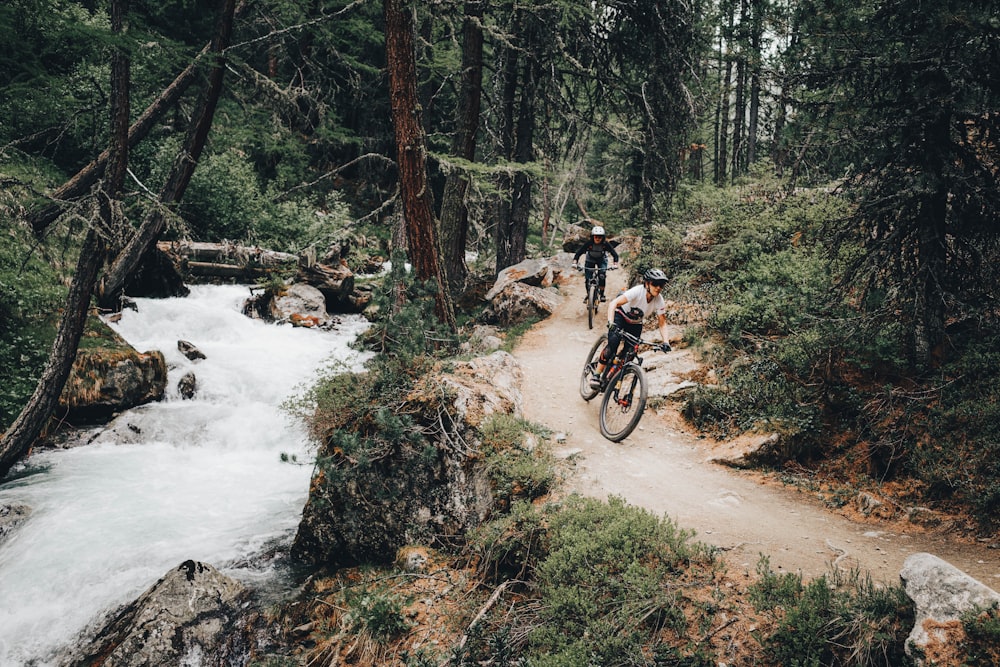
pixel 627 312
pixel 597 250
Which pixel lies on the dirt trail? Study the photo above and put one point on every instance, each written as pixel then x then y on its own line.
pixel 665 469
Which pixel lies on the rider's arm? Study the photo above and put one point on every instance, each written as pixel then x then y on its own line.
pixel 661 322
pixel 614 305
pixel 613 253
pixel 579 253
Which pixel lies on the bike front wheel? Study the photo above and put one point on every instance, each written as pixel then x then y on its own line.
pixel 591 305
pixel 586 391
pixel 623 404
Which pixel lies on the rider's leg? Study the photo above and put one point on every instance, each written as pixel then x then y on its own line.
pixel 611 349
pixel 602 277
pixel 614 342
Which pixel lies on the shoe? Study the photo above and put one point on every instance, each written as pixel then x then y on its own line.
pixel 595 381
pixel 604 298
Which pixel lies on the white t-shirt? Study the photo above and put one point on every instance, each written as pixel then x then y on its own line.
pixel 637 299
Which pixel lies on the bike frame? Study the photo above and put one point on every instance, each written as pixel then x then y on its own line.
pixel 628 353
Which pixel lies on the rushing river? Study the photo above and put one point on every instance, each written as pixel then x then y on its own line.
pixel 173 480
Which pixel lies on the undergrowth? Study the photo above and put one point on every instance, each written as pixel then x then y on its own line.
pixel 837 619
pixel 32 290
pixel 803 357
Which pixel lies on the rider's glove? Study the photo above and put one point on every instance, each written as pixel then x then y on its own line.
pixel 665 347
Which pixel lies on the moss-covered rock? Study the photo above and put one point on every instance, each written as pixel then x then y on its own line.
pixel 109 376
pixel 413 472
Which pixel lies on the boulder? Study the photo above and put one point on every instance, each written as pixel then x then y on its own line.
pixel 300 304
pixel 942 594
pixel 12 516
pixel 481 339
pixel 427 488
pixel 535 272
pixel 194 615
pixel 518 302
pixel 187 385
pixel 189 350
pixel 104 381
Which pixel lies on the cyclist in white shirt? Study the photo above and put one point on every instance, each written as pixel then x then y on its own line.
pixel 627 313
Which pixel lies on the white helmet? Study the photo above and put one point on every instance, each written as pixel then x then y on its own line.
pixel 597 231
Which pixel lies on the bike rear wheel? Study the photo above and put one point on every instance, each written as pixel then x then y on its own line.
pixel 623 403
pixel 586 391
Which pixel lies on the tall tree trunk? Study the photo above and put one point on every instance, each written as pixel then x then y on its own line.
pixel 931 252
pixel 779 154
pixel 779 151
pixel 517 236
pixel 739 105
pixel 726 89
pixel 718 148
pixel 454 212
pixel 755 65
pixel 113 283
pixel 509 59
pixel 30 423
pixel 411 156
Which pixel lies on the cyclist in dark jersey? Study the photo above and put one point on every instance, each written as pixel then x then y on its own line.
pixel 597 250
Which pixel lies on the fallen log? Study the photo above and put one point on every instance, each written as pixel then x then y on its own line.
pixel 335 282
pixel 228 253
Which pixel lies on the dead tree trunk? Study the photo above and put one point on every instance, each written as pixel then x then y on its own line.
pixel 411 157
pixel 84 179
pixel 113 283
pixel 30 423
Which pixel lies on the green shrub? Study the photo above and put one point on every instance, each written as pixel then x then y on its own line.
pixel 516 470
pixel 509 546
pixel 376 612
pixel 407 327
pixel 981 645
pixel 609 583
pixel 224 199
pixel 31 292
pixel 841 620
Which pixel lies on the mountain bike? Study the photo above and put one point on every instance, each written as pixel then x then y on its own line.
pixel 623 383
pixel 593 295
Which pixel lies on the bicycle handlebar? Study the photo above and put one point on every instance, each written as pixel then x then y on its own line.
pixel 636 340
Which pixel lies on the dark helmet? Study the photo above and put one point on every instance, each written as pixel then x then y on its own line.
pixel 656 277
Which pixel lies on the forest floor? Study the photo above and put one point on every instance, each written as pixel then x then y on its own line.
pixel 665 466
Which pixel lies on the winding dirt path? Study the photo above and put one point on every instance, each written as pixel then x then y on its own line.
pixel 665 469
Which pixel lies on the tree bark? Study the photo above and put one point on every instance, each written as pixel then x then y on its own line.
pixel 113 283
pixel 520 85
pixel 30 423
pixel 726 83
pixel 411 157
pixel 509 60
pixel 755 63
pixel 517 236
pixel 454 212
pixel 739 105
pixel 931 249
